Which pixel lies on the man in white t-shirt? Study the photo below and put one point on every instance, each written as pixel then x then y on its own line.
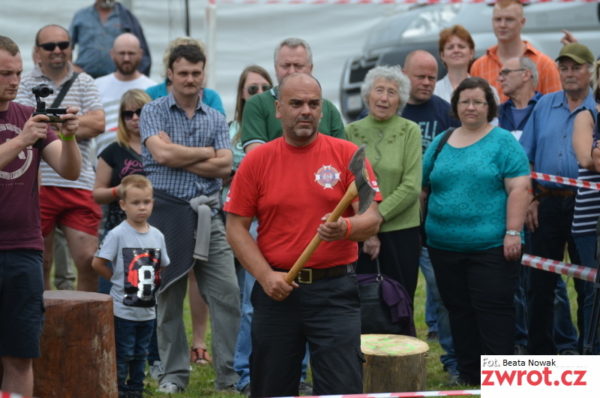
pixel 127 55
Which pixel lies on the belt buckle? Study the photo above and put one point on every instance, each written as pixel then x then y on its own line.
pixel 305 276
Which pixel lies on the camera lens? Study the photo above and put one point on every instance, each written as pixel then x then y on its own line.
pixel 42 90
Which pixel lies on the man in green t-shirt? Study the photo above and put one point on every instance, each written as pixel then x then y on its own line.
pixel 259 124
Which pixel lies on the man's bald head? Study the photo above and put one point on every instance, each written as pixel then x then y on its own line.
pixel 421 68
pixel 127 55
pixel 299 108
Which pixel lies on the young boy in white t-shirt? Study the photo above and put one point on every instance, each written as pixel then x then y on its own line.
pixel 137 251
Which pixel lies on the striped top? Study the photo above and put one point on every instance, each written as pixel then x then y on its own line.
pixel 82 94
pixel 587 201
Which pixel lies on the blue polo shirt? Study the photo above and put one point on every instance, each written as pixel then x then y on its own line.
pixel 548 135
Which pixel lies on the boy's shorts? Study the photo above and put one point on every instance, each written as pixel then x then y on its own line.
pixel 72 207
pixel 21 303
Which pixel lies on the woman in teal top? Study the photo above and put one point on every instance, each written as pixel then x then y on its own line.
pixel 478 193
pixel 393 146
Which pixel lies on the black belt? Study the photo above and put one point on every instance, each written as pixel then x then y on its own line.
pixel 309 275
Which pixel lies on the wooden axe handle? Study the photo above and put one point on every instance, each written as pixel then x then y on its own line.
pixel 341 207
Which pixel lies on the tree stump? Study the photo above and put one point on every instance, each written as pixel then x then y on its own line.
pixel 78 347
pixel 394 363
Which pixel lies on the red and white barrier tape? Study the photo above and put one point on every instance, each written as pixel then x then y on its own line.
pixel 10 395
pixel 565 181
pixel 216 2
pixel 546 264
pixel 447 393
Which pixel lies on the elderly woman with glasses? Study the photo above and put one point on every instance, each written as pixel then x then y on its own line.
pixel 477 181
pixel 393 146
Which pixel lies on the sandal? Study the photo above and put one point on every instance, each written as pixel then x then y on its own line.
pixel 200 356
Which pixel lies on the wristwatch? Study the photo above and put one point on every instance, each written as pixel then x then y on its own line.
pixel 513 232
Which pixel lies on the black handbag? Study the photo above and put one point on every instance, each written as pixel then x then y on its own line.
pixel 375 314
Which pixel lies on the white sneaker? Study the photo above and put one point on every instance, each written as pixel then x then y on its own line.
pixel 156 370
pixel 169 388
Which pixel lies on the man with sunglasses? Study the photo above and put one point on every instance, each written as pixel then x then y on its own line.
pixel 127 54
pixel 24 140
pixel 65 204
pixel 259 124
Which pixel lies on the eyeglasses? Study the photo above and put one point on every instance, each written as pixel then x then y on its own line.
pixel 475 103
pixel 50 46
pixel 506 72
pixel 128 115
pixel 253 89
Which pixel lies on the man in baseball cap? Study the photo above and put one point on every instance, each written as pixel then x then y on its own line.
pixel 578 53
pixel 547 139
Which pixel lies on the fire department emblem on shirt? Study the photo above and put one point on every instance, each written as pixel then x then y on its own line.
pixel 327 176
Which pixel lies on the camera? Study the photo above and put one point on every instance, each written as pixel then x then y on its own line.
pixel 41 91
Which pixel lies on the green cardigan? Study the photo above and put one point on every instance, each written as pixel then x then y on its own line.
pixel 394 150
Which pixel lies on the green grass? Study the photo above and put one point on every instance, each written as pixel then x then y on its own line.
pixel 202 377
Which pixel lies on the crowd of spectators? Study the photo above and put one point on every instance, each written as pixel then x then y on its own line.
pixel 135 176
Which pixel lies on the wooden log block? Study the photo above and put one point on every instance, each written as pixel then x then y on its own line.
pixel 394 363
pixel 78 347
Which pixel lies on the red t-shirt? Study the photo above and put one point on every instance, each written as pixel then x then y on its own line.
pixel 289 189
pixel 20 211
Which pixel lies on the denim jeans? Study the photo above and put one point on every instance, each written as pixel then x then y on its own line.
pixel 132 339
pixel 435 309
pixel 565 333
pixel 586 247
pixel 555 215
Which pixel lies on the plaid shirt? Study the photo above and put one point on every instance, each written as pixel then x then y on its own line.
pixel 489 65
pixel 207 128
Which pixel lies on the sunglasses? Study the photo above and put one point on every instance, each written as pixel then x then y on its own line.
pixel 128 115
pixel 253 89
pixel 50 46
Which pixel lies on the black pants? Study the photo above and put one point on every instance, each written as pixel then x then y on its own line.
pixel 326 314
pixel 398 258
pixel 555 215
pixel 477 289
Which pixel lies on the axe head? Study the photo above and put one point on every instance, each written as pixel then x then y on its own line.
pixel 361 179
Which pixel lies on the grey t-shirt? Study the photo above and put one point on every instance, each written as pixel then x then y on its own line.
pixel 137 258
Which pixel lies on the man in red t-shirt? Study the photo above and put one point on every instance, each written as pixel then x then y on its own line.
pixel 24 139
pixel 289 185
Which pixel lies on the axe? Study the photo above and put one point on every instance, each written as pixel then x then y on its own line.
pixel 359 187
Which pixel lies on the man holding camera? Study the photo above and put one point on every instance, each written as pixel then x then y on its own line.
pixel 67 204
pixel 24 139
